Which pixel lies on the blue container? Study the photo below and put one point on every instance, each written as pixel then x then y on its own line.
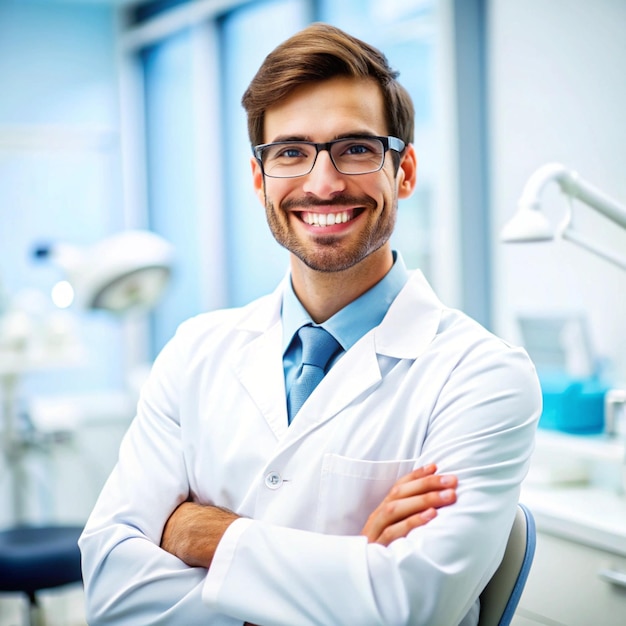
pixel 572 406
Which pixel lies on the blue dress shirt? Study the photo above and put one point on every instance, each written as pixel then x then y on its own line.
pixel 348 325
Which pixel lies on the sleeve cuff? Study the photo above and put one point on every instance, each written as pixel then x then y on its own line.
pixel 222 559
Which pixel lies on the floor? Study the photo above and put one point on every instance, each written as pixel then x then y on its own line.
pixel 62 607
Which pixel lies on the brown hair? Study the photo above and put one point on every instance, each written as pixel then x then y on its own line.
pixel 317 53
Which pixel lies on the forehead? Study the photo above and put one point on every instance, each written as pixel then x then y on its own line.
pixel 325 110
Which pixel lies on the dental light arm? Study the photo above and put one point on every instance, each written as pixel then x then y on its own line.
pixel 529 224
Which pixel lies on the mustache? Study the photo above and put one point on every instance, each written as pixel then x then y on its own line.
pixel 341 200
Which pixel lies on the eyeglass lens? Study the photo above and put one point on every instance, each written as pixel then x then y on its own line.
pixel 350 156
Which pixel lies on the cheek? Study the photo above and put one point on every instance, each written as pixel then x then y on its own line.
pixel 387 184
pixel 277 190
pixel 387 191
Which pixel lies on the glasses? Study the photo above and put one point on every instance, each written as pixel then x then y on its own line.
pixel 352 155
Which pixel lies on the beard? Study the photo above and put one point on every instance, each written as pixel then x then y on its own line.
pixel 332 253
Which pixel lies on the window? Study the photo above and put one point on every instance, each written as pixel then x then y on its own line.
pixel 200 193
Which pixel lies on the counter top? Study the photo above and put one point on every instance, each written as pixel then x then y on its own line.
pixel 575 489
pixel 587 515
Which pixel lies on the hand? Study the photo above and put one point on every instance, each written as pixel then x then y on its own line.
pixel 193 531
pixel 411 502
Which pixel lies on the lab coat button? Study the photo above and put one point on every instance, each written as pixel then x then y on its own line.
pixel 273 480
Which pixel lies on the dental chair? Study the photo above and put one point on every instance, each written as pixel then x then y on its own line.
pixel 35 558
pixel 500 597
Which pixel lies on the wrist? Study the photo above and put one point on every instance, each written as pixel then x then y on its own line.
pixel 193 532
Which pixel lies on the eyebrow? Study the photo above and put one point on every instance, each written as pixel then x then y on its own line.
pixel 349 135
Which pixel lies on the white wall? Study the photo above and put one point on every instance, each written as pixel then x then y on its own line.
pixel 558 93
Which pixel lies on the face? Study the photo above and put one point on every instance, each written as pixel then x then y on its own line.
pixel 329 221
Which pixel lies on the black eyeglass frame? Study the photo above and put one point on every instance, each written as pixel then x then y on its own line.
pixel 389 143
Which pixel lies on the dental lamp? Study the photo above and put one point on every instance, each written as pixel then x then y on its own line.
pixel 528 224
pixel 123 273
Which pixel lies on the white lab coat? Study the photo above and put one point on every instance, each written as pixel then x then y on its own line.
pixel 427 385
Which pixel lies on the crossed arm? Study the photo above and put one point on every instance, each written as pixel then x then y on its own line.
pixel 193 531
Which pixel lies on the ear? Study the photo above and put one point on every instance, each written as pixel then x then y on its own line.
pixel 407 172
pixel 257 180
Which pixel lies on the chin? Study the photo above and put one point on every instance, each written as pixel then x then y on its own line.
pixel 332 259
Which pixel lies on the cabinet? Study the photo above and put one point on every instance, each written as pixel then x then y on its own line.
pixel 564 586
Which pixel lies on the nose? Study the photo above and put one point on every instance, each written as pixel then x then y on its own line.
pixel 324 180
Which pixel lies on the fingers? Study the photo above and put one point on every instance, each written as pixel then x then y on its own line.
pixel 404 527
pixel 411 502
pixel 421 481
pixel 395 518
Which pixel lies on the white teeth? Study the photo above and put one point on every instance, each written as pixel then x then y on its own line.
pixel 326 219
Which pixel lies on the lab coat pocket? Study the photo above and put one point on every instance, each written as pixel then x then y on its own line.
pixel 350 489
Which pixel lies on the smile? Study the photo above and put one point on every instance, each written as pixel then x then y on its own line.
pixel 328 219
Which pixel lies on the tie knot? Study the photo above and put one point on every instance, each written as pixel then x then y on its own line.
pixel 318 345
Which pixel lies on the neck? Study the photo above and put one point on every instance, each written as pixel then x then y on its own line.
pixel 322 294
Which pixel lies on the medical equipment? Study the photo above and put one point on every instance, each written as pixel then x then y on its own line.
pixel 529 224
pixel 122 273
pixel 569 404
pixel 125 273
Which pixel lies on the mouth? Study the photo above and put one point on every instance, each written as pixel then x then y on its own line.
pixel 329 219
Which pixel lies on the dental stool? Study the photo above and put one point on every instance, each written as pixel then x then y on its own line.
pixel 34 558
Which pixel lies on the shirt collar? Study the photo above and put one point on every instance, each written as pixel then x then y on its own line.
pixel 349 324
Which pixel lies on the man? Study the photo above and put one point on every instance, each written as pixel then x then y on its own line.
pixel 387 495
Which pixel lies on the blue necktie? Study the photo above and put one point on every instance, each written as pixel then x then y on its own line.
pixel 318 346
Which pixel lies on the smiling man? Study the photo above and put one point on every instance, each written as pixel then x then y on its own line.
pixel 263 483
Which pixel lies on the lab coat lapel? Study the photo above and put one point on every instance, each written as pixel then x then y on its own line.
pixel 406 331
pixel 258 363
pixel 412 321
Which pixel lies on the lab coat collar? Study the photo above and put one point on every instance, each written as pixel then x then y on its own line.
pixel 408 328
pixel 416 309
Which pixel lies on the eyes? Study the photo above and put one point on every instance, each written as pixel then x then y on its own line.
pixel 343 148
pixel 359 149
pixel 290 152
